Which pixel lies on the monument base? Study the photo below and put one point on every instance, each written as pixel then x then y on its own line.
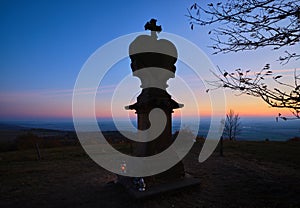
pixel 162 187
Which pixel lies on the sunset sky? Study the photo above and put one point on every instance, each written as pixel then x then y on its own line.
pixel 44 45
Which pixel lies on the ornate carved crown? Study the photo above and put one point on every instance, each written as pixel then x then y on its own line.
pixel 148 51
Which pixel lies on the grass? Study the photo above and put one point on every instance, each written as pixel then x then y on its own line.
pixel 285 153
pixel 260 174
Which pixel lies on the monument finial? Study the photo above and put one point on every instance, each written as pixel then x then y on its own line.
pixel 151 25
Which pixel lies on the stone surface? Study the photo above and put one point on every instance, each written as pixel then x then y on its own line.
pixel 153 62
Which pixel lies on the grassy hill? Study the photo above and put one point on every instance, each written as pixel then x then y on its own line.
pixel 251 174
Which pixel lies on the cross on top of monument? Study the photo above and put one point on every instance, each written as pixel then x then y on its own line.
pixel 151 25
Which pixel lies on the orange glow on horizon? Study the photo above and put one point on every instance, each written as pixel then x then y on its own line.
pixel 38 106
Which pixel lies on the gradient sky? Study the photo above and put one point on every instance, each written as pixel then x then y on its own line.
pixel 44 44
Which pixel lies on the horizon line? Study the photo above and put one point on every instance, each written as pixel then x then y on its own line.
pixel 12 119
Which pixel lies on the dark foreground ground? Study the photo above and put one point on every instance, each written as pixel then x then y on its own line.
pixel 251 174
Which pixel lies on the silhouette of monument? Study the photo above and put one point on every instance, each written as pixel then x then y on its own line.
pixel 153 62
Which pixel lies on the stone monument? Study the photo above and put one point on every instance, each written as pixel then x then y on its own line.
pixel 153 62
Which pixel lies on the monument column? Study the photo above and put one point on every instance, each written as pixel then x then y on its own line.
pixel 153 62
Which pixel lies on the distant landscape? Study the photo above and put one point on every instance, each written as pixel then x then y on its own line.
pixel 252 128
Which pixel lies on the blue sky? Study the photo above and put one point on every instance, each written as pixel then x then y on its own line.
pixel 45 43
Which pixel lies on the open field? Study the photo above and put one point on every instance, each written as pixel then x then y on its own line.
pixel 251 174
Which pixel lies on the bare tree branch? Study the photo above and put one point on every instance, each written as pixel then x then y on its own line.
pixel 256 86
pixel 288 56
pixel 250 24
pixel 232 126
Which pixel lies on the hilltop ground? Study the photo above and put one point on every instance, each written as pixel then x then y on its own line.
pixel 251 174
